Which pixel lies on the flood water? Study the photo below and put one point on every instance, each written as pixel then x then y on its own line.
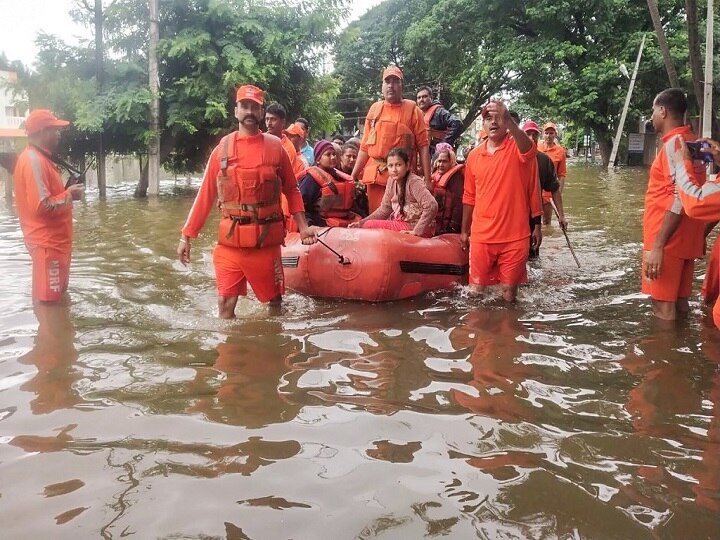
pixel 136 413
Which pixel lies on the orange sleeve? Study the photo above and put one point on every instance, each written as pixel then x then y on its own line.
pixel 206 197
pixel 366 131
pixel 419 128
pixel 699 202
pixel 562 166
pixel 534 192
pixel 41 180
pixel 290 185
pixel 469 185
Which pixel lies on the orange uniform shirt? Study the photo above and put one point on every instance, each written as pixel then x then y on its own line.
pixel 392 112
pixel 558 156
pixel 44 206
pixel 249 152
pixel 504 189
pixel 296 158
pixel 688 241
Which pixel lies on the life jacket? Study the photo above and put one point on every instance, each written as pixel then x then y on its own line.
pixel 336 197
pixel 385 135
pixel 445 199
pixel 434 135
pixel 249 199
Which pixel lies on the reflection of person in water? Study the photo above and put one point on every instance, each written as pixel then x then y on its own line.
pixel 53 356
pixel 707 471
pixel 668 391
pixel 252 366
pixel 497 373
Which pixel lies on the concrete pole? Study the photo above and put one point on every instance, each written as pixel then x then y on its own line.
pixel 154 147
pixel 616 142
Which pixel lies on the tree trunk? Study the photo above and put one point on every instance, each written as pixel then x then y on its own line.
pixel 694 51
pixel 154 147
pixel 605 146
pixel 662 42
pixel 166 146
pixel 99 79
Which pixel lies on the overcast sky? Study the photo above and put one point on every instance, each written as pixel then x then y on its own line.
pixel 21 21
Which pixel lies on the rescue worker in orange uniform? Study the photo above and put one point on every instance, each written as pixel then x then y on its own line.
pixel 501 192
pixel 672 240
pixel 391 123
pixel 328 193
pixel 698 201
pixel 447 187
pixel 44 206
pixel 558 155
pixel 293 138
pixel 246 174
pixel 442 125
pixel 276 122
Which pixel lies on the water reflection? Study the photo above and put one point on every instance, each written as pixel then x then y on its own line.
pixel 241 388
pixel 53 355
pixel 571 416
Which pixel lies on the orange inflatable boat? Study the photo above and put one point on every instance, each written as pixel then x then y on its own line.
pixel 373 264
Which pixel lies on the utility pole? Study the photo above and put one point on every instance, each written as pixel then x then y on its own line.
pixel 616 142
pixel 100 81
pixel 154 147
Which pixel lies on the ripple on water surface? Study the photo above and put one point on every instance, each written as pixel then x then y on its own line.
pixel 136 412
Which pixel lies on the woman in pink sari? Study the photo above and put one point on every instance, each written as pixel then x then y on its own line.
pixel 407 205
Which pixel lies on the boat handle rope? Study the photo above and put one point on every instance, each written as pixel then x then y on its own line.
pixel 341 259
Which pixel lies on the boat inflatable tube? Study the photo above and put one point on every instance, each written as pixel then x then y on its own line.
pixel 375 265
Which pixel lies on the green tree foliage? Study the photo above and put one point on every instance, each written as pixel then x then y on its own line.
pixel 561 58
pixel 207 49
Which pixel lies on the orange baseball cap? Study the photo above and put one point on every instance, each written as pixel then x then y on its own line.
pixel 40 119
pixel 295 129
pixel 253 93
pixel 391 71
pixel 550 125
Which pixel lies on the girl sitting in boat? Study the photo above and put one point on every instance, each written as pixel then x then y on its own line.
pixel 407 205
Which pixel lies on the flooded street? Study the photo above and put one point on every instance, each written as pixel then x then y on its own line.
pixel 135 411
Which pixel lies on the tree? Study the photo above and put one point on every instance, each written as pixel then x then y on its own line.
pixel 207 48
pixel 662 42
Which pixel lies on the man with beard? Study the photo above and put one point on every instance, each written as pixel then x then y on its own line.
pixel 442 125
pixel 391 123
pixel 246 173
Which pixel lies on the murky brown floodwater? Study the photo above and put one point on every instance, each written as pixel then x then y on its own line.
pixel 138 413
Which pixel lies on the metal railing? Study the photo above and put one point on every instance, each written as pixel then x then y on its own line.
pixel 11 122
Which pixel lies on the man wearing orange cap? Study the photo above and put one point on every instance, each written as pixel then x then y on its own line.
pixel 246 174
pixel 295 135
pixel 392 123
pixel 44 206
pixel 556 152
pixel 501 192
pixel 548 179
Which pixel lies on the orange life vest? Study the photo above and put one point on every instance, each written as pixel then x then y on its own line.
pixel 384 136
pixel 434 135
pixel 336 197
pixel 249 199
pixel 444 198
